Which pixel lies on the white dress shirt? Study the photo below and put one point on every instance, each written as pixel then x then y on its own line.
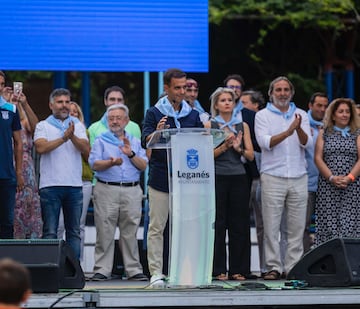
pixel 286 159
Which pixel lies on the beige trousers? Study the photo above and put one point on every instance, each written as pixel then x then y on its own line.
pixel 286 196
pixel 159 211
pixel 116 206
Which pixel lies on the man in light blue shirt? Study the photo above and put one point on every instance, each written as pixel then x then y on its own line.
pixel 317 107
pixel 118 160
pixel 112 95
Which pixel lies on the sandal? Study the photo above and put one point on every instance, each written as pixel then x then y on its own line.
pixel 272 275
pixel 237 277
pixel 221 277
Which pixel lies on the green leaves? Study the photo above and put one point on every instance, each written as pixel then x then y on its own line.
pixel 324 14
pixel 330 16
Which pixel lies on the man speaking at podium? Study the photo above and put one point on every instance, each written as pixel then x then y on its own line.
pixel 171 111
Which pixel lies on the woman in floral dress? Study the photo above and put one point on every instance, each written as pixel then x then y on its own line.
pixel 337 156
pixel 27 214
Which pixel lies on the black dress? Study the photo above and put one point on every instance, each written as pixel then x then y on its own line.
pixel 338 210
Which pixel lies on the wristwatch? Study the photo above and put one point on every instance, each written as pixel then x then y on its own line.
pixel 132 155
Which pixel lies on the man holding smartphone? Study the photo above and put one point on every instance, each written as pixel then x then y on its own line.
pixel 10 149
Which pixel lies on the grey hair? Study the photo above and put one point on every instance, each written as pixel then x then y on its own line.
pixel 215 97
pixel 57 93
pixel 256 97
pixel 119 106
pixel 280 78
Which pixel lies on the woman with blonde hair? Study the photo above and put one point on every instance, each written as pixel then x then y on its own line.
pixel 231 188
pixel 337 156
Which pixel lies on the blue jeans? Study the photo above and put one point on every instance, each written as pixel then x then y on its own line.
pixel 7 193
pixel 70 199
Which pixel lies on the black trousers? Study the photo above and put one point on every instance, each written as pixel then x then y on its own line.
pixel 233 216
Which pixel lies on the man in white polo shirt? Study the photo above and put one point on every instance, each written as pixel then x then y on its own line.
pixel 60 139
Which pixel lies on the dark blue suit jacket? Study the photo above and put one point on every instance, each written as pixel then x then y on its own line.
pixel 249 117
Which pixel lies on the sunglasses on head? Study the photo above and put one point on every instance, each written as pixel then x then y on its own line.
pixel 192 84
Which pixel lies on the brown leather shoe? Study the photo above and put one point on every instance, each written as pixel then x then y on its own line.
pixel 272 275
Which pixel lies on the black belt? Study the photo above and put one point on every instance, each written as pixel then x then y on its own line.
pixel 121 184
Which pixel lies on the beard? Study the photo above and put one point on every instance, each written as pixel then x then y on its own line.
pixel 117 130
pixel 61 114
pixel 282 102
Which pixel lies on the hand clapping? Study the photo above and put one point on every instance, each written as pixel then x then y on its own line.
pixel 69 133
pixel 295 125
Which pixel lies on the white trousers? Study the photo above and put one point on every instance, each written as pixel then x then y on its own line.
pixel 289 196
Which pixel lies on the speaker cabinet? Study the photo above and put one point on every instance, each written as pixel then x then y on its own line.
pixel 335 263
pixel 51 263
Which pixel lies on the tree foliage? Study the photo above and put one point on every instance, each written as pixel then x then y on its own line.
pixel 295 37
pixel 335 16
pixel 324 14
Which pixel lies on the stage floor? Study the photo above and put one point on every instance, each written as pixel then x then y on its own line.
pixel 246 294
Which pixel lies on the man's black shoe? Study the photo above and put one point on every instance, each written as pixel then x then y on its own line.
pixel 99 277
pixel 138 277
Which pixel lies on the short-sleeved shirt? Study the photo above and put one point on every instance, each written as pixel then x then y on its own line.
pixel 9 122
pixel 61 166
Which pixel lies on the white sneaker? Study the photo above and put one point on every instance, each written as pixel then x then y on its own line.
pixel 157 281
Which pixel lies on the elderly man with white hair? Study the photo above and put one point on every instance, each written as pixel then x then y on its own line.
pixel 118 160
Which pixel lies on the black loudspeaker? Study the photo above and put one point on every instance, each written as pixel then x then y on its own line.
pixel 51 263
pixel 335 263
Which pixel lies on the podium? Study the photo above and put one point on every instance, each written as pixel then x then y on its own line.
pixel 191 200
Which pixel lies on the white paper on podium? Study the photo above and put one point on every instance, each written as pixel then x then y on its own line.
pixel 193 210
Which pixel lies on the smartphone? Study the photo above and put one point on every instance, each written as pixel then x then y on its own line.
pixel 18 88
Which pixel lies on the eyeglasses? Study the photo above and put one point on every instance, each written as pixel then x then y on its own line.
pixel 116 118
pixel 192 84
pixel 234 87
